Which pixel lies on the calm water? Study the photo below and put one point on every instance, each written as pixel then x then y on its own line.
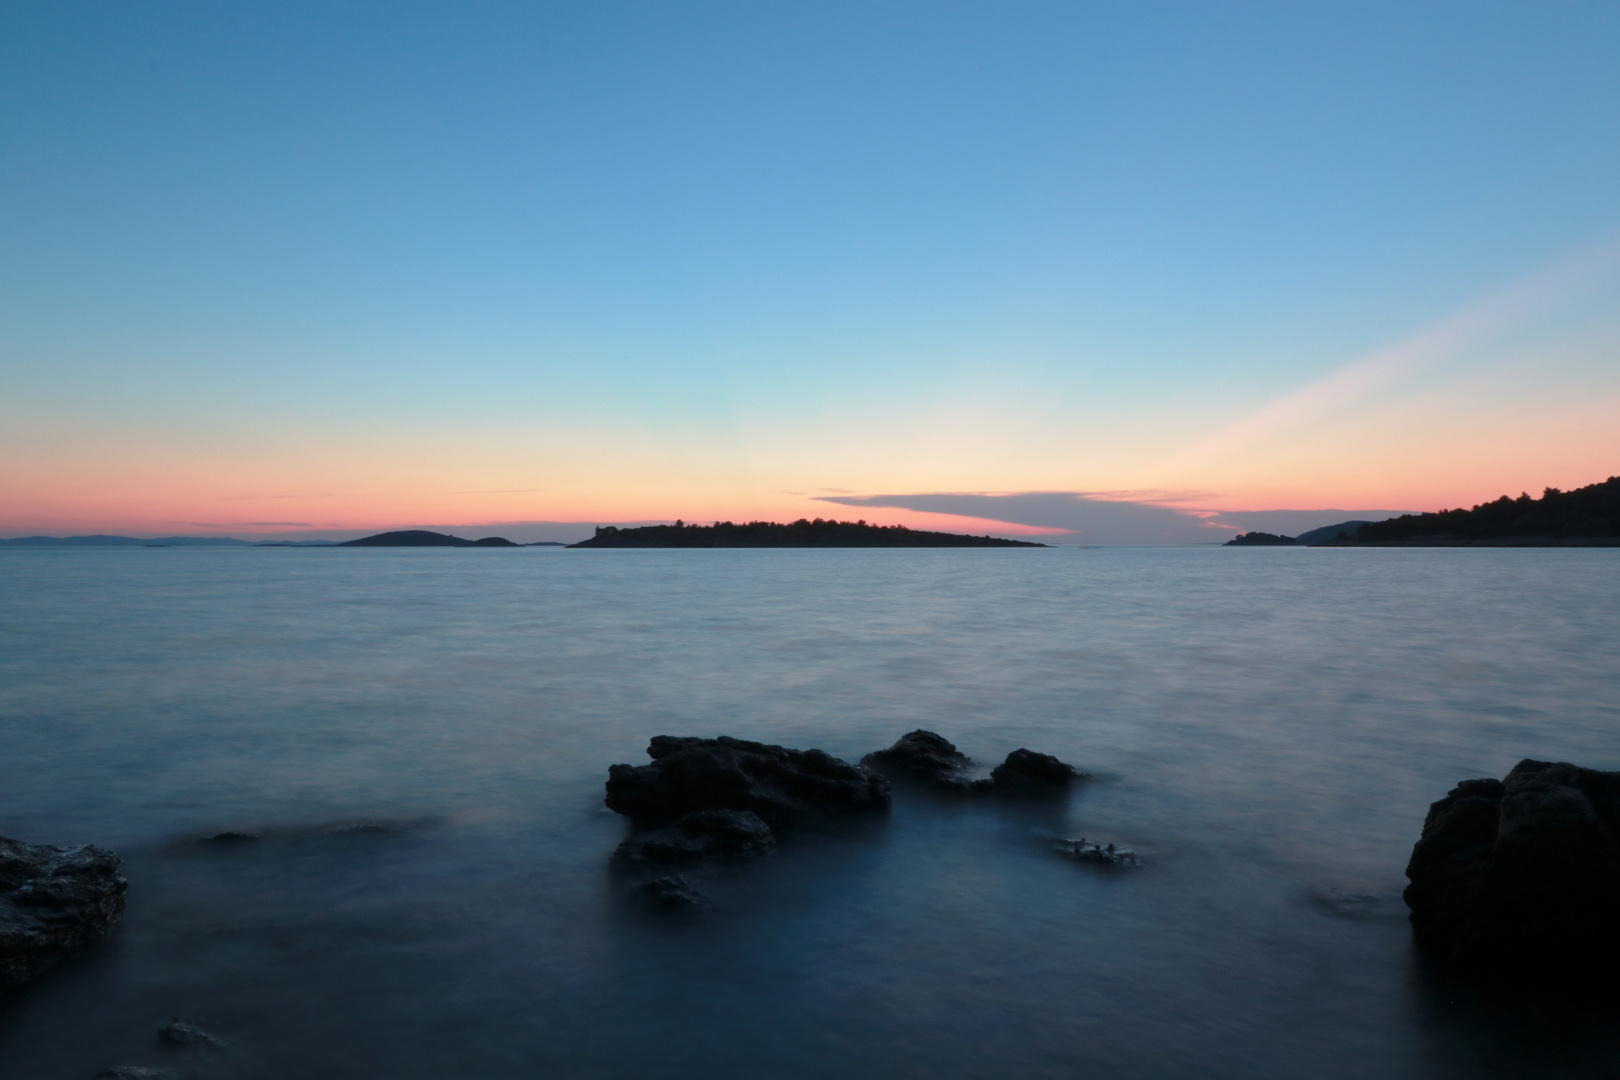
pixel 1266 727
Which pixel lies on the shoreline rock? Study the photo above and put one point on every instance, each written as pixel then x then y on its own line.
pixel 1521 876
pixel 54 901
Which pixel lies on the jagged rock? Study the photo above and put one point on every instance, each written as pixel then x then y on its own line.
pixel 672 893
pixel 1027 771
pixel 137 1072
pixel 1522 875
pixel 179 1035
pixel 1082 850
pixel 53 901
pixel 782 786
pixel 700 835
pixel 923 755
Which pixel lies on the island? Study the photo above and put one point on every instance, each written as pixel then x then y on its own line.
pixel 770 534
pixel 1585 517
pixel 1259 539
pixel 424 538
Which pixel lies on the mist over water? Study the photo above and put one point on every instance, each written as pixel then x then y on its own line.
pixel 422 737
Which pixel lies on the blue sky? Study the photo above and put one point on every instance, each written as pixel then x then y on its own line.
pixel 596 261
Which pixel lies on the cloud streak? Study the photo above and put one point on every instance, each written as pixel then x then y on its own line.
pixel 1088 519
pixel 1492 315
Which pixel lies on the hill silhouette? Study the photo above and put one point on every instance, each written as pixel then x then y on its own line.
pixel 1585 517
pixel 801 533
pixel 424 538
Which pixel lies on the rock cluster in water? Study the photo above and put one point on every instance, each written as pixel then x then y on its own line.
pixel 53 902
pixel 934 760
pixel 1522 875
pixel 703 800
pixel 707 799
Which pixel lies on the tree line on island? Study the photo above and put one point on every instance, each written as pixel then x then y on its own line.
pixel 801 533
pixel 1585 517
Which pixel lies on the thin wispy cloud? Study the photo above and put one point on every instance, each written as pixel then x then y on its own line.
pixel 1495 314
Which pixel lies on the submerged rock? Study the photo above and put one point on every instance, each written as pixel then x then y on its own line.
pixel 670 893
pixel 1522 876
pixel 231 839
pixel 179 1035
pixel 695 837
pixel 53 902
pixel 782 786
pixel 1083 850
pixel 1028 772
pixel 923 755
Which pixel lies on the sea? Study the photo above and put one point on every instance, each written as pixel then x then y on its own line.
pixel 420 737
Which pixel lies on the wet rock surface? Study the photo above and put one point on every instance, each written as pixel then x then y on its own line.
pixel 698 836
pixel 927 757
pixel 782 786
pixel 137 1072
pixel 54 901
pixel 1027 772
pixel 1521 876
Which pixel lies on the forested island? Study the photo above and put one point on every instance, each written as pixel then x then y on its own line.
pixel 1585 517
pixel 801 533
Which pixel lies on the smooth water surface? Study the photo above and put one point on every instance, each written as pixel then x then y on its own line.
pixel 1265 726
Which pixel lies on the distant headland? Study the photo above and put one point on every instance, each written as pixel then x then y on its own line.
pixel 801 533
pixel 1585 517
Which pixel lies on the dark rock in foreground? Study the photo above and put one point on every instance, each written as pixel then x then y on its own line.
pixel 923 755
pixel 782 786
pixel 1521 877
pixel 699 836
pixel 137 1072
pixel 53 902
pixel 1027 772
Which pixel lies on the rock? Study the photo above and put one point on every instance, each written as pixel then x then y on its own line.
pixel 137 1072
pixel 53 902
pixel 230 839
pixel 1082 850
pixel 1029 772
pixel 782 786
pixel 1522 876
pixel 923 755
pixel 179 1035
pixel 671 893
pixel 700 835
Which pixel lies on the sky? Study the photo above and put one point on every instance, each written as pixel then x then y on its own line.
pixel 1094 271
